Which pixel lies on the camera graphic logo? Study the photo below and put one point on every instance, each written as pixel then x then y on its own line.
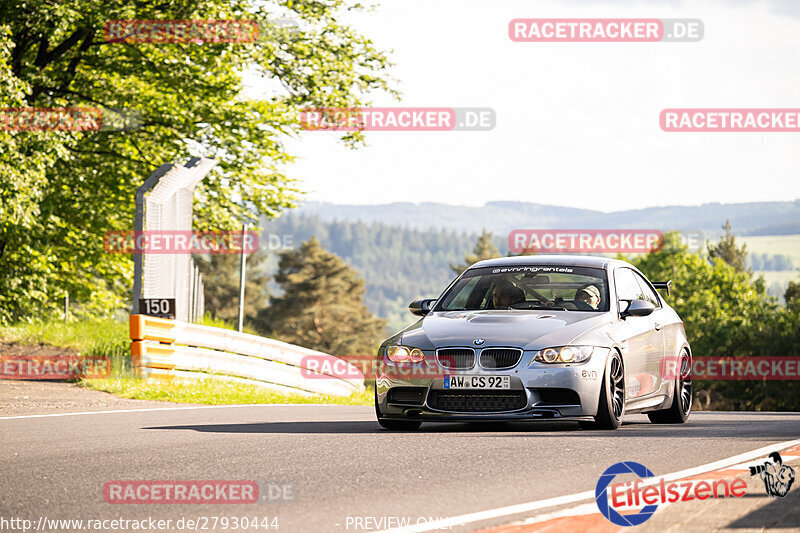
pixel 777 477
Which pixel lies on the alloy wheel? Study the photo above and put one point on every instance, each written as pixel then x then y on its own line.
pixel 685 383
pixel 617 386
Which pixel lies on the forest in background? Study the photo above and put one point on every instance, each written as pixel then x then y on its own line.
pixel 400 264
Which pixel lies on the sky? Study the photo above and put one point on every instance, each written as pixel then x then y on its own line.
pixel 577 123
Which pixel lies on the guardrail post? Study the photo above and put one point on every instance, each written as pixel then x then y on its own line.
pixel 242 275
pixel 138 226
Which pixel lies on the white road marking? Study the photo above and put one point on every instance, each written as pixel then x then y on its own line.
pixel 143 410
pixel 454 521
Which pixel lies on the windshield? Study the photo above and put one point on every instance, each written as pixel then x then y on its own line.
pixel 528 287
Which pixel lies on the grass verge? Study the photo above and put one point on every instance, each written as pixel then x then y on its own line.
pixel 211 392
pixel 85 337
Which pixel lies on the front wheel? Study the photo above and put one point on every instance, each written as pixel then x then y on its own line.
pixel 612 396
pixel 678 412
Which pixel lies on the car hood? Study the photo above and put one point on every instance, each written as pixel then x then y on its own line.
pixel 531 330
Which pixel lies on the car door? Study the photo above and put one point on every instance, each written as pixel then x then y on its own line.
pixel 639 341
pixel 654 361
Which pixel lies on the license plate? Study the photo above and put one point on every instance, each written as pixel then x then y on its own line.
pixel 477 382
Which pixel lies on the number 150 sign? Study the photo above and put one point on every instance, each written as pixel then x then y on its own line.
pixel 160 307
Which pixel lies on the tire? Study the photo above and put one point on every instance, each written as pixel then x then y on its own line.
pixel 394 424
pixel 681 407
pixel 612 396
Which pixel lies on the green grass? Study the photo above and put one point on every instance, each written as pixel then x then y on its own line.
pixel 85 337
pixel 774 244
pixel 212 392
pixel 209 320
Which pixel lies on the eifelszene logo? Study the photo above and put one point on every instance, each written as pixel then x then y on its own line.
pixel 630 495
pixel 601 496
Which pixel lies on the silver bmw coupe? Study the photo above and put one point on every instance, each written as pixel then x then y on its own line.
pixel 572 338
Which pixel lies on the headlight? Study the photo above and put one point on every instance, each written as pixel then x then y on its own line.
pixel 564 354
pixel 404 354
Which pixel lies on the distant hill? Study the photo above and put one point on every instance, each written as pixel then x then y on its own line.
pixel 398 264
pixel 403 251
pixel 783 229
pixel 757 218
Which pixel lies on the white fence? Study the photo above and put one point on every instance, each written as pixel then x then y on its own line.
pixel 172 350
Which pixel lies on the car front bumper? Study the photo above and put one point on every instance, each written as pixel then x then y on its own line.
pixel 537 392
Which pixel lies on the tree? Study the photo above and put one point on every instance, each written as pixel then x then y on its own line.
pixel 727 250
pixel 391 258
pixel 221 285
pixel 60 192
pixel 725 313
pixel 322 305
pixel 484 249
pixel 792 295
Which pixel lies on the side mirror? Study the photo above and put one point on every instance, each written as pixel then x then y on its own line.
pixel 421 307
pixel 639 308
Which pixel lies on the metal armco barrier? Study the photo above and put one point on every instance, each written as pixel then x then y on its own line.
pixel 171 350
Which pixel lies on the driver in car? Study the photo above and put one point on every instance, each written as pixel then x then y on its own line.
pixel 506 294
pixel 589 296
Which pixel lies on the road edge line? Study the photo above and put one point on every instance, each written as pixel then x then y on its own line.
pixel 150 409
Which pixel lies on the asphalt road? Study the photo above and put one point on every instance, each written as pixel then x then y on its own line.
pixel 339 462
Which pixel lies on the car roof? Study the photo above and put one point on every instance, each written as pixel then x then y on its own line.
pixel 556 260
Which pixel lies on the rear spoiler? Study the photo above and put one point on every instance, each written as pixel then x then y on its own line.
pixel 663 285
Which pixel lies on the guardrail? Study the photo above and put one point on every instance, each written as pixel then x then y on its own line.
pixel 171 350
